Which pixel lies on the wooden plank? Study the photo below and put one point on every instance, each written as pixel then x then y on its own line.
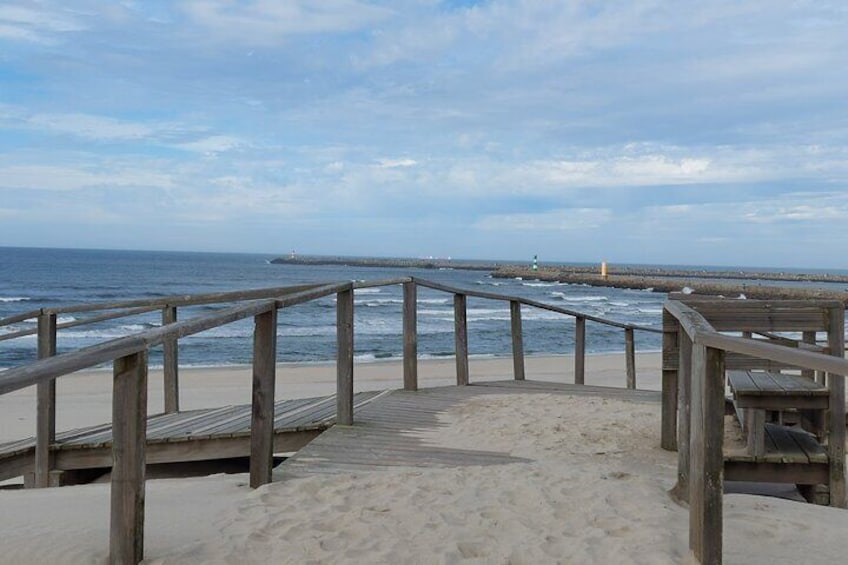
pixel 517 340
pixel 129 417
pixel 786 449
pixel 579 350
pixel 344 358
pixel 809 337
pixel 45 434
pixel 460 332
pixel 668 426
pixel 262 406
pixel 630 357
pixel 706 455
pixel 836 425
pixel 755 424
pixel 684 410
pixel 170 362
pixel 410 336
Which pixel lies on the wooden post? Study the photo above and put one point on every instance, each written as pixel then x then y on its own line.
pixel 460 332
pixel 517 340
pixel 129 425
pixel 684 405
pixel 630 357
pixel 410 336
pixel 262 405
pixel 579 350
pixel 707 456
pixel 170 364
pixel 808 337
pixel 668 427
pixel 45 433
pixel 344 358
pixel 836 423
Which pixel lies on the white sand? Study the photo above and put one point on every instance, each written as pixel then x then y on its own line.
pixel 594 490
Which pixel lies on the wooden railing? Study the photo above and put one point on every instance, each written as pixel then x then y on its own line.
pixel 695 393
pixel 129 358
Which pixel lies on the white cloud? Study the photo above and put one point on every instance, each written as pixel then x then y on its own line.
pixel 213 144
pixel 552 220
pixel 271 22
pixel 395 163
pixel 93 127
pixel 19 22
pixel 65 178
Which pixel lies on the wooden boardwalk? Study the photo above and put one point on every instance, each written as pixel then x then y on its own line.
pixel 192 435
pixel 387 430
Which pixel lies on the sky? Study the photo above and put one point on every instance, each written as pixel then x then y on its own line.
pixel 637 131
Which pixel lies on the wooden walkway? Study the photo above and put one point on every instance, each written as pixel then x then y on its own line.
pixel 385 432
pixel 192 435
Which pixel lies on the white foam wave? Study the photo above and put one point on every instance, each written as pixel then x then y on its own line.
pixel 572 298
pixel 14 298
pixel 541 284
pixel 65 319
pixel 367 291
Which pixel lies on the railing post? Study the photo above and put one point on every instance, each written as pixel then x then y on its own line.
pixel 836 424
pixel 630 357
pixel 579 350
pixel 170 364
pixel 129 425
pixel 262 405
pixel 707 457
pixel 410 336
pixel 684 404
pixel 460 332
pixel 517 340
pixel 668 427
pixel 45 433
pixel 810 338
pixel 344 358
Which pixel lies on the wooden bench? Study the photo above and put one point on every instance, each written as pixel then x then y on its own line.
pixel 756 392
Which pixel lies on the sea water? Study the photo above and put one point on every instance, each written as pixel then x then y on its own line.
pixel 34 278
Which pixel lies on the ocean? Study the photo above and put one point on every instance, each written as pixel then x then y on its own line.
pixel 33 278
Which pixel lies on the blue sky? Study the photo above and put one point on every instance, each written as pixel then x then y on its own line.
pixel 711 132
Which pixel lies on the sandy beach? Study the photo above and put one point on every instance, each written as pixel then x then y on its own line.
pixel 593 486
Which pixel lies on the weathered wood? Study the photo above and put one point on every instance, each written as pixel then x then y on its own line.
pixel 129 418
pixel 344 358
pixel 630 357
pixel 755 426
pixel 410 336
pixel 706 455
pixel 579 350
pixel 836 424
pixel 45 403
pixel 460 323
pixel 668 426
pixel 262 405
pixel 684 410
pixel 517 340
pixel 170 362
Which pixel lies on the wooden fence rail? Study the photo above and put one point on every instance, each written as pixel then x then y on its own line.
pixel 129 356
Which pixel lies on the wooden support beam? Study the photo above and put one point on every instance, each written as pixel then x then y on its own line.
pixel 684 414
pixel 460 332
pixel 45 433
pixel 668 426
pixel 630 357
pixel 262 405
pixel 836 424
pixel 410 336
pixel 170 362
pixel 517 340
pixel 129 423
pixel 579 350
pixel 706 455
pixel 344 358
pixel 808 337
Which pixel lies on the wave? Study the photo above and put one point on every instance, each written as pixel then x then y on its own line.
pixel 375 302
pixel 367 291
pixel 541 284
pixel 571 298
pixel 15 298
pixel 489 283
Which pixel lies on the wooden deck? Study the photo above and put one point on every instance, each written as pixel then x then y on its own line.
pixel 387 431
pixel 192 435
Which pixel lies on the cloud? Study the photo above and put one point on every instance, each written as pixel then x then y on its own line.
pixel 67 178
pixel 577 219
pixel 267 23
pixel 395 163
pixel 213 145
pixel 41 24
